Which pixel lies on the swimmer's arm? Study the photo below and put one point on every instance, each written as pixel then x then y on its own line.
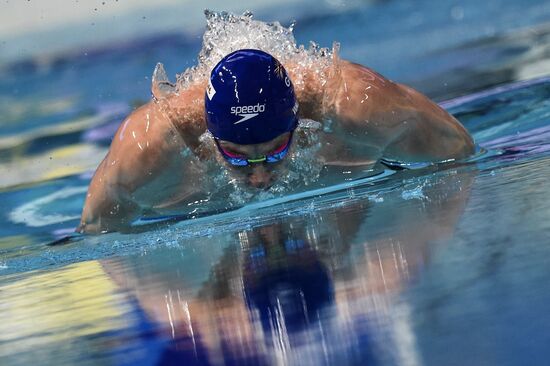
pixel 108 206
pixel 401 123
pixel 143 142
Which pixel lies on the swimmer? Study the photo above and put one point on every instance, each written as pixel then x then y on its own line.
pixel 252 108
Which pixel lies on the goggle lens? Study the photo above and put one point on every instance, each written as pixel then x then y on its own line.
pixel 273 157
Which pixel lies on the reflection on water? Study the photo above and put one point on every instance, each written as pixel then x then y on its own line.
pixel 441 265
pixel 321 288
pixel 445 266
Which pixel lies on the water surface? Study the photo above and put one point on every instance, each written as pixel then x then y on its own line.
pixel 440 265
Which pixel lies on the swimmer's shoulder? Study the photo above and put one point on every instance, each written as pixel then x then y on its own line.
pixel 184 109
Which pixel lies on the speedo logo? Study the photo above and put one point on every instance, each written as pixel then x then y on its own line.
pixel 247 111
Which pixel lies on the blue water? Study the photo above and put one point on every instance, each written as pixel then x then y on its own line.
pixel 440 265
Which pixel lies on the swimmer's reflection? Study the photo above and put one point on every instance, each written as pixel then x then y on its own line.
pixel 304 290
pixel 284 282
pixel 292 294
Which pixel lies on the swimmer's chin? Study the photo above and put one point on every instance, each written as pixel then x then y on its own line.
pixel 261 188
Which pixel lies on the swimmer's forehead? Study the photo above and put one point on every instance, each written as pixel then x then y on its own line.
pixel 269 145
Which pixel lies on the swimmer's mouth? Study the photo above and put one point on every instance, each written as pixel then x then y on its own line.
pixel 262 186
pixel 261 179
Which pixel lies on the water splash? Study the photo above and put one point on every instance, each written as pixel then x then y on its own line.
pixel 415 193
pixel 160 85
pixel 226 32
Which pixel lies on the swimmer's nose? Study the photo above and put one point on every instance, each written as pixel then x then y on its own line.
pixel 261 178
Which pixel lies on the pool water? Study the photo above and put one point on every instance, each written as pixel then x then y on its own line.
pixel 438 265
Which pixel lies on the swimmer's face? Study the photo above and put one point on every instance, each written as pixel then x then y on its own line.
pixel 257 173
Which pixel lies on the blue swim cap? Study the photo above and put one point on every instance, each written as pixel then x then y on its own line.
pixel 250 98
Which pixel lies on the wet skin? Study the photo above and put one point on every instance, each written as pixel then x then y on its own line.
pixel 372 117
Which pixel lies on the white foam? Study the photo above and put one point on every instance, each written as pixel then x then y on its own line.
pixel 227 32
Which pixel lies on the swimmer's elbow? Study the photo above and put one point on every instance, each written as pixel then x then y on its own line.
pixel 455 142
pixel 105 211
pixel 104 222
pixel 430 144
pixel 89 228
pixel 467 147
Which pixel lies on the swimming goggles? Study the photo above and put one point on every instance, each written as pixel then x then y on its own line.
pixel 273 157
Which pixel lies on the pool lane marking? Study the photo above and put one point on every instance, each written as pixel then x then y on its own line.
pixel 28 213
